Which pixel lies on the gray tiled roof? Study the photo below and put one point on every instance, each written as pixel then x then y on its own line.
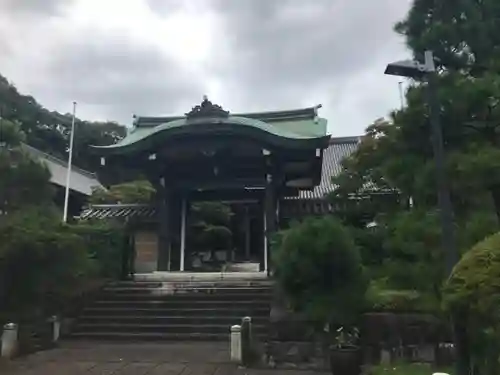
pixel 289 208
pixel 339 148
pixel 81 181
pixel 119 211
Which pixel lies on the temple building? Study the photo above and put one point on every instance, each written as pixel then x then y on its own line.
pixel 268 167
pixel 81 183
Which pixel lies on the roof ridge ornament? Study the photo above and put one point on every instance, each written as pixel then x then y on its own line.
pixel 207 109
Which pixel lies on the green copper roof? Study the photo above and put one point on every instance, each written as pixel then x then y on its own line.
pixel 295 128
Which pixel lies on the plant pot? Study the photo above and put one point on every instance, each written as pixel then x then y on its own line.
pixel 345 361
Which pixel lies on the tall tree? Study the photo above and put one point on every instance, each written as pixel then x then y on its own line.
pixel 463 34
pixel 465 38
pixel 397 153
pixel 49 131
pixel 23 181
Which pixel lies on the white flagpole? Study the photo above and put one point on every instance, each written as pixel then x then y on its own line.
pixel 70 159
pixel 401 95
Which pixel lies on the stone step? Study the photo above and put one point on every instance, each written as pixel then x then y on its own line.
pixel 161 328
pixel 187 312
pixel 189 284
pixel 134 337
pixel 200 290
pixel 165 320
pixel 200 276
pixel 182 309
pixel 166 296
pixel 163 303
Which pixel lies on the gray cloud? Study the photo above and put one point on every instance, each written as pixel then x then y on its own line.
pixel 281 52
pixel 118 77
pixel 35 7
pixel 165 7
pixel 5 47
pixel 270 54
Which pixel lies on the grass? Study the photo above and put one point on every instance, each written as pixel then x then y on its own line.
pixel 407 369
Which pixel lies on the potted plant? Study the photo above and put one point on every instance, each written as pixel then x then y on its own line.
pixel 345 354
pixel 318 266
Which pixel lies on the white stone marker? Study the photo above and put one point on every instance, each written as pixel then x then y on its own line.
pixel 440 373
pixel 9 340
pixel 56 328
pixel 236 343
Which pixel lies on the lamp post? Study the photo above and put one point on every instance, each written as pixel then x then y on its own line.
pixel 427 72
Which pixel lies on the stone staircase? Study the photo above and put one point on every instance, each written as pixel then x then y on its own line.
pixel 175 310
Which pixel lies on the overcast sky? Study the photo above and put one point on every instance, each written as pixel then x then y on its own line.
pixel 159 57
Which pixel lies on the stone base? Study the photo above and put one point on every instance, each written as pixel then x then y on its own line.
pixel 296 355
pixel 243 267
pixel 145 267
pixel 199 276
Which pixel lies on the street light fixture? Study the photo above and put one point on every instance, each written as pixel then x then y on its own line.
pixel 412 68
pixel 427 72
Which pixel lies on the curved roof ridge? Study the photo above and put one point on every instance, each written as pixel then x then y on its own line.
pixel 280 115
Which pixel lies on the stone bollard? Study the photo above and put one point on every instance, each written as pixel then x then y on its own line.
pixel 236 343
pixel 247 322
pixel 9 340
pixel 385 357
pixel 246 340
pixel 56 328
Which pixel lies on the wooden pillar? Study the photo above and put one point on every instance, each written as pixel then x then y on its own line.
pixel 269 219
pixel 187 244
pixel 247 233
pixel 175 230
pixel 164 243
pixel 184 204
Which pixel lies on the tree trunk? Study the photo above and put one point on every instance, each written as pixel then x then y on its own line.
pixel 495 194
pixel 462 347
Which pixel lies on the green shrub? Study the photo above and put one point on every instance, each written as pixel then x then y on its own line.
pixel 381 297
pixel 319 268
pixel 41 262
pixel 414 257
pixel 140 191
pixel 105 243
pixel 472 296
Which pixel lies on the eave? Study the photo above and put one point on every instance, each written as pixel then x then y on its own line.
pixel 173 131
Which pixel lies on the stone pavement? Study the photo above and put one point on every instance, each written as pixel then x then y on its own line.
pixel 87 358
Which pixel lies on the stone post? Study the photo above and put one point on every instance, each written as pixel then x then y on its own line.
pixel 385 357
pixel 236 343
pixel 56 328
pixel 9 340
pixel 246 340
